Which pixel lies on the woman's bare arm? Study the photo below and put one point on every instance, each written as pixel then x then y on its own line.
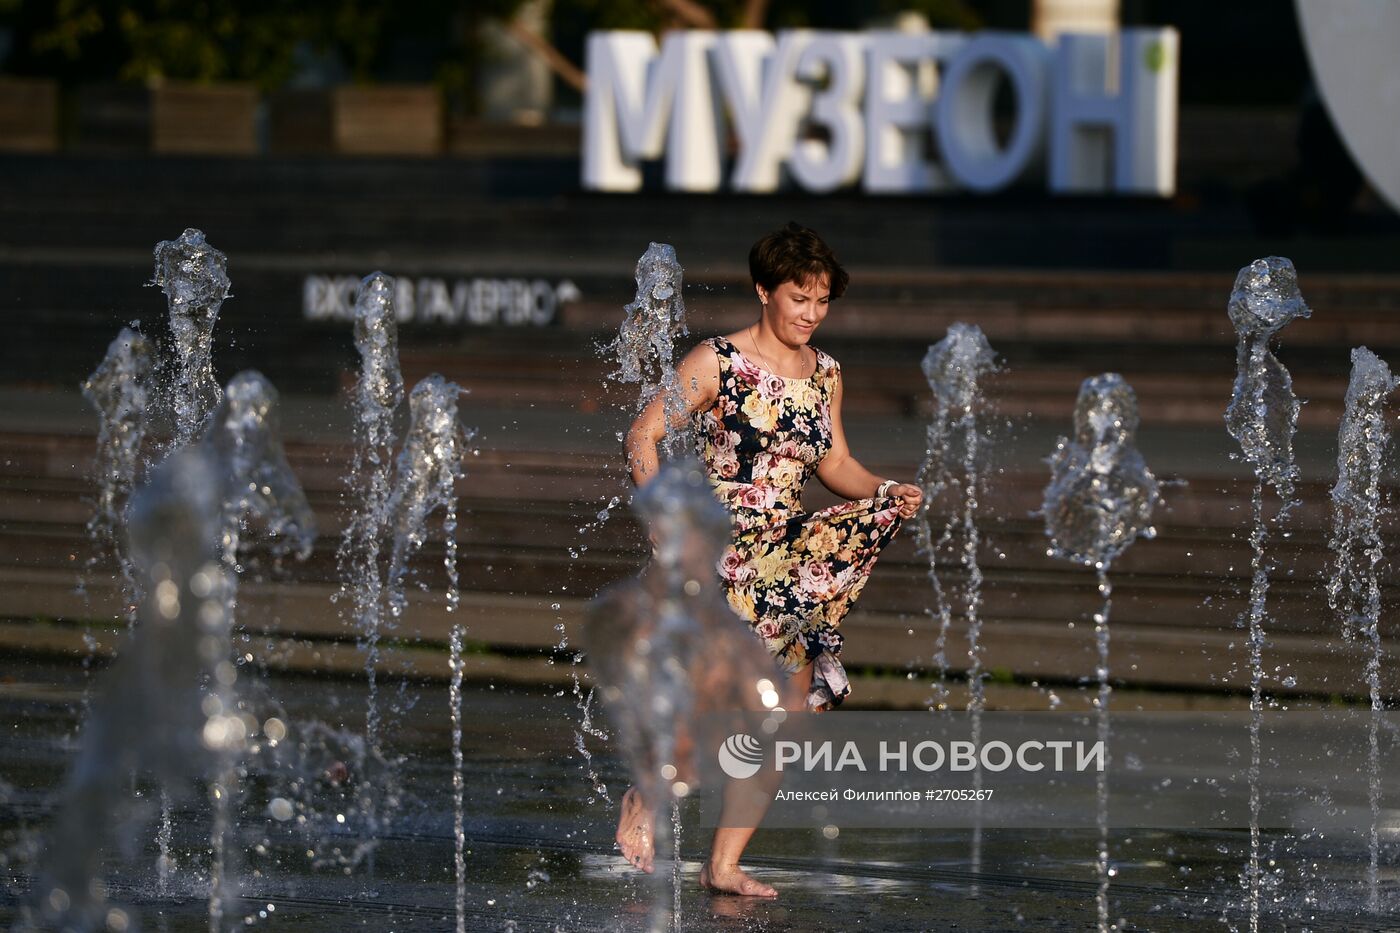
pixel 844 475
pixel 699 381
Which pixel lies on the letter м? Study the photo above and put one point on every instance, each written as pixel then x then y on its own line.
pixel 638 100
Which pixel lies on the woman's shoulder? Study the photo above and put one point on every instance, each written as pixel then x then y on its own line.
pixel 826 363
pixel 714 348
pixel 710 346
pixel 708 355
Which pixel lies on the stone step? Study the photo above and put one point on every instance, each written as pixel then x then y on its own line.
pixel 1173 581
pixel 298 625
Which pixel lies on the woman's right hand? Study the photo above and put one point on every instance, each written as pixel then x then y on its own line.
pixel 910 498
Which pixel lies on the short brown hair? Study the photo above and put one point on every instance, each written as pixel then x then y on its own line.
pixel 795 254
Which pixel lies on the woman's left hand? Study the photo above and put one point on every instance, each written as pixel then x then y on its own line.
pixel 910 498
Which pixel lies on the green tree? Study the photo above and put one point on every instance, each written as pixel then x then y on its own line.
pixel 196 40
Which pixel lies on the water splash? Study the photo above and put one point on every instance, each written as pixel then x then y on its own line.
pixel 668 652
pixel 120 390
pixel 1262 417
pixel 428 468
pixel 379 388
pixel 1101 495
pixel 645 345
pixel 1099 501
pixel 170 709
pixel 954 368
pixel 645 352
pixel 314 780
pixel 1263 412
pixel 259 490
pixel 426 475
pixel 150 713
pixel 375 397
pixel 194 277
pixel 1353 587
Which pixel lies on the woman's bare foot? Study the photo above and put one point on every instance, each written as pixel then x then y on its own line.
pixel 733 880
pixel 634 831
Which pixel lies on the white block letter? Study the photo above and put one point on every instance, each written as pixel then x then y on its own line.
pixel 899 84
pixel 757 80
pixel 826 165
pixel 634 95
pixel 964 111
pixel 1114 104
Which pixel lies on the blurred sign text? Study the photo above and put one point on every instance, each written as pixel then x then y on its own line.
pixel 479 302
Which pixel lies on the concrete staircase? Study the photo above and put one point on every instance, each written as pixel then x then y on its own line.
pixel 75 238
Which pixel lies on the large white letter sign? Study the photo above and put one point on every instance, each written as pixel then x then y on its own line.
pixel 965 124
pixel 897 117
pixel 1136 107
pixel 826 110
pixel 765 101
pixel 633 95
pixel 819 165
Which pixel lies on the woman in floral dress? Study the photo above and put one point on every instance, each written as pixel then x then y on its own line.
pixel 766 407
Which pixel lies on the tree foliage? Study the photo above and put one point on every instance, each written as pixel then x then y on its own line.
pixel 199 40
pixel 268 41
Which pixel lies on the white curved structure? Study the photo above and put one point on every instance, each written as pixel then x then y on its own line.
pixel 1352 46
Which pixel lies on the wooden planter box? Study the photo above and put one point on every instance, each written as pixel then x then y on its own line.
pixel 217 119
pixel 394 120
pixel 28 115
pixel 299 122
pixel 388 120
pixel 113 118
pixel 183 119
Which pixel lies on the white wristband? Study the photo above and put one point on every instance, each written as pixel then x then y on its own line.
pixel 884 488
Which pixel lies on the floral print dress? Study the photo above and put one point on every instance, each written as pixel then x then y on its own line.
pixel 792 575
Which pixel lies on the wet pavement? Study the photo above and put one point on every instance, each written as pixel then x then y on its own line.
pixel 538 837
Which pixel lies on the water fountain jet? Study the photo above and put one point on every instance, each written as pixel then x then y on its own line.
pixel 148 715
pixel 168 708
pixel 645 346
pixel 954 368
pixel 1099 501
pixel 120 389
pixel 376 396
pixel 1353 588
pixel 670 655
pixel 1262 417
pixel 426 475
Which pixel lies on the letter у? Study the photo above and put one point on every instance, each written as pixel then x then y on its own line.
pixel 638 100
pixel 765 102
